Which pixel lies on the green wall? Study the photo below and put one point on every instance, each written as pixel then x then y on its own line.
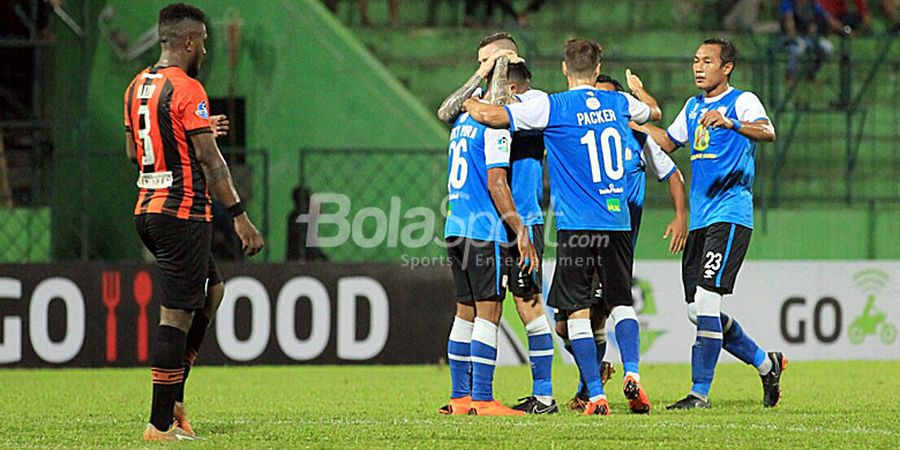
pixel 307 81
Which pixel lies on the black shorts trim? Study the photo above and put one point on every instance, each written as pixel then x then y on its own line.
pixel 182 251
pixel 479 269
pixel 712 258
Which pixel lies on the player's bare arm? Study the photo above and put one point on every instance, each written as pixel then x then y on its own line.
pixel 220 184
pixel 130 151
pixel 759 131
pixel 452 105
pixel 498 92
pixel 637 88
pixel 503 200
pixel 658 135
pixel 677 228
pixel 491 115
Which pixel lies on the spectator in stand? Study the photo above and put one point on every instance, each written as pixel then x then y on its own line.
pixel 857 17
pixel 393 10
pixel 533 7
pixel 489 6
pixel 800 22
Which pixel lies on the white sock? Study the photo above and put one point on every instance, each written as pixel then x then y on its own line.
pixel 461 330
pixel 765 367
pixel 538 326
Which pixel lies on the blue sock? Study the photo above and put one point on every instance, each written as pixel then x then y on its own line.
pixel 739 344
pixel 628 337
pixel 484 359
pixel 540 352
pixel 459 355
pixel 582 388
pixel 708 345
pixel 585 349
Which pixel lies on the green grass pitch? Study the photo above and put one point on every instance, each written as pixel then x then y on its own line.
pixel 825 405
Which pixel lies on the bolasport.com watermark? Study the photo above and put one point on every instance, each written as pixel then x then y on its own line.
pixel 332 222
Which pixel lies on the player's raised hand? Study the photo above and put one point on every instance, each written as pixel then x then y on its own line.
pixel 488 65
pixel 678 230
pixel 528 258
pixel 219 125
pixel 715 119
pixel 634 82
pixel 251 240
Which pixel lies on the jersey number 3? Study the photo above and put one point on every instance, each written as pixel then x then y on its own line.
pixel 610 141
pixel 144 134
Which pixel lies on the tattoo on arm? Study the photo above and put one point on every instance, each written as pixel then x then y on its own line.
pixel 452 105
pixel 498 90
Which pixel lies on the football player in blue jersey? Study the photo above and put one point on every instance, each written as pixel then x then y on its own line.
pixel 583 133
pixel 641 153
pixel 526 167
pixel 721 126
pixel 481 207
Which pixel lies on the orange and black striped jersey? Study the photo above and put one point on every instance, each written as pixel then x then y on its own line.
pixel 164 107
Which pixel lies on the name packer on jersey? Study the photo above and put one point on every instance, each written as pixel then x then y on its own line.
pixel 474 149
pixel 584 133
pixel 722 160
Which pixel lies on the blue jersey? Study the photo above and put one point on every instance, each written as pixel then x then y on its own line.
pixel 526 161
pixel 474 148
pixel 584 133
pixel 528 175
pixel 722 160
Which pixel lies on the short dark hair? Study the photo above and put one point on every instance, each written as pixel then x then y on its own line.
pixel 494 37
pixel 604 78
pixel 582 56
pixel 519 73
pixel 727 50
pixel 172 15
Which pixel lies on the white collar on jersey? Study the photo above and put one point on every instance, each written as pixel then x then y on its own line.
pixel 582 86
pixel 718 97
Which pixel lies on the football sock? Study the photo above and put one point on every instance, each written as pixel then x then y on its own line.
pixel 459 355
pixel 742 346
pixel 194 338
pixel 585 350
pixel 600 342
pixel 540 352
pixel 484 358
pixel 738 343
pixel 628 338
pixel 582 389
pixel 708 344
pixel 167 372
pixel 762 362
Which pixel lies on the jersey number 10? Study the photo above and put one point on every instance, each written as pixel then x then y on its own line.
pixel 610 141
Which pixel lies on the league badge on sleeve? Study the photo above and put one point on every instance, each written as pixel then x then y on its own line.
pixel 203 110
pixel 503 144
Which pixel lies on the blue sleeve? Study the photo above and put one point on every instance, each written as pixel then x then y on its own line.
pixel 786 6
pixel 820 11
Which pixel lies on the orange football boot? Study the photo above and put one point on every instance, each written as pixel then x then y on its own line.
pixel 173 434
pixel 457 406
pixel 493 408
pixel 598 408
pixel 637 398
pixel 181 419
